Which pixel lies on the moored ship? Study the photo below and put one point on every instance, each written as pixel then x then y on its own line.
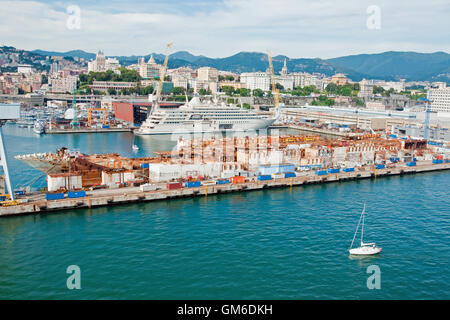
pixel 197 116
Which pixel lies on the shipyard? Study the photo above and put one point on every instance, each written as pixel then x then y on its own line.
pixel 207 166
pixel 220 147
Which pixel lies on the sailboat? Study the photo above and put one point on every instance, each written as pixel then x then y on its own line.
pixel 365 249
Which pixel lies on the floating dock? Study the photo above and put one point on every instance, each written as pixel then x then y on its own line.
pixel 107 197
pixel 88 130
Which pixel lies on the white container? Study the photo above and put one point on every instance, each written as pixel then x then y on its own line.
pixel 208 183
pixel 278 176
pixel 147 187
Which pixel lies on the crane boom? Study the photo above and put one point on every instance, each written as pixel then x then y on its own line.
pixel 272 77
pixel 162 74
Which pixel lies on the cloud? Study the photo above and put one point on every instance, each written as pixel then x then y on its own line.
pixel 220 28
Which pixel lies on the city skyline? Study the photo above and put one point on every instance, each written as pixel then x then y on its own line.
pixel 223 28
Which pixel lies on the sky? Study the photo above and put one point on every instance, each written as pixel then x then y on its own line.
pixel 220 28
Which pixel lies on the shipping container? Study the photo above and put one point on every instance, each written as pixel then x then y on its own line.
pixel 3 198
pixel 147 187
pixel 238 179
pixel 174 185
pixel 54 196
pixel 321 172
pixel 394 160
pixel 334 170
pixel 289 175
pixel 144 165
pixel 193 184
pixel 438 161
pixel 265 177
pixel 411 164
pixel 278 176
pixel 348 169
pixel 208 183
pixel 380 166
pixel 393 136
pixel 282 168
pixel 223 181
pixel 76 194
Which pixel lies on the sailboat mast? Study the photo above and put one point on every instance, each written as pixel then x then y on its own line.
pixel 362 228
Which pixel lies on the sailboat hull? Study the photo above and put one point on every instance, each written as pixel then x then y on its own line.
pixel 365 251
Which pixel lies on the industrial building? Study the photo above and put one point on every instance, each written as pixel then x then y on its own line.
pixel 135 113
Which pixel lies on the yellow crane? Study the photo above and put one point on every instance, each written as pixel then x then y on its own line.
pixel 162 74
pixel 276 97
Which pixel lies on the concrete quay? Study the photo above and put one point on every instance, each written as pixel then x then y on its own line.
pixel 108 197
pixel 88 130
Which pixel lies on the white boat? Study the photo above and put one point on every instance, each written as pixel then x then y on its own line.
pixel 135 147
pixel 365 249
pixel 39 127
pixel 196 116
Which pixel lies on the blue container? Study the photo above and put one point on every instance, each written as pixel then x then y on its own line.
pixel 447 160
pixel 393 136
pixel 289 175
pixel 225 181
pixel 19 192
pixel 348 169
pixel 193 184
pixel 76 194
pixel 394 160
pixel 54 196
pixel 437 161
pixel 380 166
pixel 411 164
pixel 144 165
pixel 334 170
pixel 265 177
pixel 2 198
pixel 321 172
pixel 105 126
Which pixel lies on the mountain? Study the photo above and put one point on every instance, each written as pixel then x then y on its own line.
pixel 74 53
pixel 184 55
pixel 398 65
pixel 390 65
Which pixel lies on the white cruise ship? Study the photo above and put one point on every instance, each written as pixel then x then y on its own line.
pixel 196 116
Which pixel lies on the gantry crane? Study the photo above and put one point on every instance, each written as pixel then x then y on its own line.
pixel 276 97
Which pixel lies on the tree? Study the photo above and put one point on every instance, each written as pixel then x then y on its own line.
pixel 279 86
pixel 229 90
pixel 246 106
pixel 258 93
pixel 44 79
pixel 178 91
pixel 112 91
pixel 243 92
pixel 322 101
pixel 204 92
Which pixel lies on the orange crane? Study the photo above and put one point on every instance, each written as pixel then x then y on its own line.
pixel 162 75
pixel 104 118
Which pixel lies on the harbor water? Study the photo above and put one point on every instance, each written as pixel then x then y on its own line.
pixel 270 244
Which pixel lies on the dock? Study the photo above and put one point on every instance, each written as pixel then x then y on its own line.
pixel 88 130
pixel 37 204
